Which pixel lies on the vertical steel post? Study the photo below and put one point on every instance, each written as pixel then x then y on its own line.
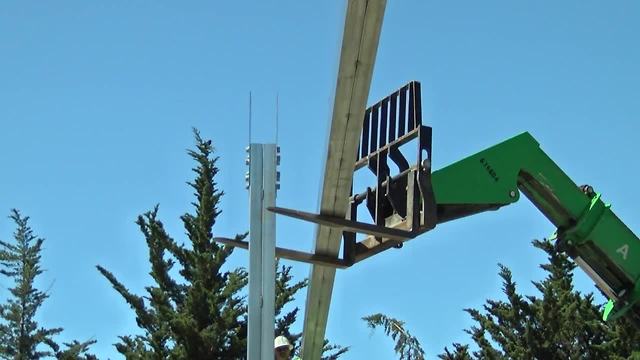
pixel 254 347
pixel 262 189
pixel 268 249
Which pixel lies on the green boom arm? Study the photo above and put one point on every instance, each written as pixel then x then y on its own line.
pixel 598 241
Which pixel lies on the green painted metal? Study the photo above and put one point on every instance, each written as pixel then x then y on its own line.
pixel 588 230
pixel 607 310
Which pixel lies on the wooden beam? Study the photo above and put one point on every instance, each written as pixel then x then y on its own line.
pixel 360 38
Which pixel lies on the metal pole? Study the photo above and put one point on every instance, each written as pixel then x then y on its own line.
pixel 255 252
pixel 268 249
pixel 262 271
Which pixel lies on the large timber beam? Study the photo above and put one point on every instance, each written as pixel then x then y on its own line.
pixel 363 23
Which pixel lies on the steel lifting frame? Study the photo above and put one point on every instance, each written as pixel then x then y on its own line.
pixel 401 206
pixel 416 200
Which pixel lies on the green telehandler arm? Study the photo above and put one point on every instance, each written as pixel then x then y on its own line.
pixel 416 200
pixel 588 231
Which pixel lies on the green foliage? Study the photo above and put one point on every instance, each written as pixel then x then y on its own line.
pixel 285 292
pixel 20 335
pixel 202 314
pixel 407 346
pixel 332 351
pixel 562 324
pixel 460 352
pixel 76 350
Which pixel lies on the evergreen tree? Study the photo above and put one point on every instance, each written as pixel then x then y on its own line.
pixel 561 324
pixel 407 346
pixel 202 314
pixel 285 294
pixel 21 337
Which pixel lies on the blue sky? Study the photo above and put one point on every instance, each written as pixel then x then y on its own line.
pixel 97 102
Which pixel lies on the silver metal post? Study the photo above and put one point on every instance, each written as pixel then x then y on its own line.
pixel 262 271
pixel 254 347
pixel 268 249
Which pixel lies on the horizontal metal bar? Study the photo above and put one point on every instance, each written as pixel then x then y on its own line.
pixel 291 254
pixel 348 225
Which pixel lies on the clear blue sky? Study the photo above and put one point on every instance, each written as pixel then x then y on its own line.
pixel 97 101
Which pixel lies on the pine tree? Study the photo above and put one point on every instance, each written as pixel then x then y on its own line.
pixel 562 323
pixel 285 292
pixel 202 314
pixel 407 346
pixel 21 337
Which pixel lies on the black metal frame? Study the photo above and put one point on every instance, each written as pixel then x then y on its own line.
pixel 404 201
pixel 401 206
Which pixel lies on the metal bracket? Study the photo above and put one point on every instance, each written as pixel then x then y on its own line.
pixel 401 206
